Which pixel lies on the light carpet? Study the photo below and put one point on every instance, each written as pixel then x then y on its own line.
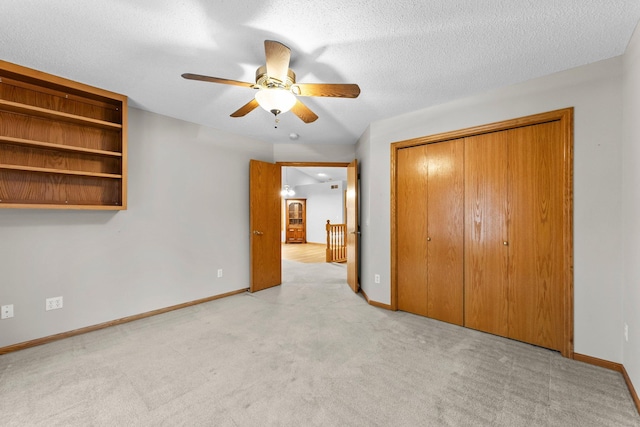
pixel 307 353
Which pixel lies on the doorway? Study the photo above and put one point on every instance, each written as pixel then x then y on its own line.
pixel 322 188
pixel 267 231
pixel 322 191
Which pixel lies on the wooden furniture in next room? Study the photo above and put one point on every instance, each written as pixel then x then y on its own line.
pixel 296 221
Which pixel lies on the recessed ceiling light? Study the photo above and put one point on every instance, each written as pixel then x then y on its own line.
pixel 293 136
pixel 322 174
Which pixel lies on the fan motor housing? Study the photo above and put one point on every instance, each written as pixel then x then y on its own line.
pixel 263 80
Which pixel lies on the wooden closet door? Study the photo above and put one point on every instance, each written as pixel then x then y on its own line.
pixel 445 231
pixel 536 310
pixel 411 229
pixel 486 249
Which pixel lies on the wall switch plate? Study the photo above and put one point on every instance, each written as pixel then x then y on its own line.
pixel 53 303
pixel 626 332
pixel 6 311
pixel 376 278
pixel 219 272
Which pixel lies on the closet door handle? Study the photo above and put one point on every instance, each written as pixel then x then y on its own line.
pixel 428 239
pixel 258 233
pixel 505 243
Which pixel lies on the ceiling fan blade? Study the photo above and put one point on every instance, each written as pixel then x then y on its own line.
pixel 190 76
pixel 302 111
pixel 246 108
pixel 278 57
pixel 338 90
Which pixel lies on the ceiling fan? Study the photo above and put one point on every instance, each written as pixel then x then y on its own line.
pixel 277 87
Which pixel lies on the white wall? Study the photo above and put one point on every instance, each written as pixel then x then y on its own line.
pixel 293 177
pixel 301 152
pixel 323 203
pixel 188 216
pixel 631 207
pixel 596 93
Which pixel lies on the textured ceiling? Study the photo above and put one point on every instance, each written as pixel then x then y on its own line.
pixel 405 55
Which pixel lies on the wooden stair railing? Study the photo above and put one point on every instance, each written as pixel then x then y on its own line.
pixel 336 242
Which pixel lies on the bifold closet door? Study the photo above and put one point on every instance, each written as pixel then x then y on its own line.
pixel 486 258
pixel 411 229
pixel 445 231
pixel 514 265
pixel 430 230
pixel 536 295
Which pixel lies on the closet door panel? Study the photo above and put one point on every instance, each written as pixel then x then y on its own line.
pixel 445 231
pixel 411 228
pixel 486 248
pixel 535 218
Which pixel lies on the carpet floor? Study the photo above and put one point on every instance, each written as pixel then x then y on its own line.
pixel 307 353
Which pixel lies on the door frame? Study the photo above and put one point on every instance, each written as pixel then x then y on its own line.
pixel 313 164
pixel 565 117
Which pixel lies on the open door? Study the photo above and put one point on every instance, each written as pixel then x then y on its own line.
pixel 353 229
pixel 264 219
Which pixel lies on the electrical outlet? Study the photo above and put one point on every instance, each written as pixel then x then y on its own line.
pixel 219 272
pixel 53 303
pixel 6 312
pixel 376 278
pixel 626 332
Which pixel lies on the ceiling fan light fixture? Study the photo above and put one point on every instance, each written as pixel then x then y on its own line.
pixel 275 100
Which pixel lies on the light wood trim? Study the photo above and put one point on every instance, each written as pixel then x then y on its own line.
pixel 618 367
pixel 59 147
pixel 60 93
pixel 59 171
pixel 534 119
pixel 632 390
pixel 566 120
pixel 63 335
pixel 16 107
pixel 314 164
pixel 83 207
pixel 395 149
pixel 375 303
pixel 124 167
pixel 40 78
pixel 565 116
pixel 598 362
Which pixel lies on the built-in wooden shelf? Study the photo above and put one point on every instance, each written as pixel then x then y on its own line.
pixel 60 147
pixel 59 171
pixel 62 143
pixel 16 107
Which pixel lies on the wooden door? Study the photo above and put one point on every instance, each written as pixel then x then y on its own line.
pixel 486 251
pixel 264 206
pixel 536 291
pixel 353 229
pixel 411 229
pixel 444 205
pixel 518 229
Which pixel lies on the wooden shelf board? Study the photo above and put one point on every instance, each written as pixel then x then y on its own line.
pixel 16 107
pixel 59 147
pixel 96 207
pixel 59 171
